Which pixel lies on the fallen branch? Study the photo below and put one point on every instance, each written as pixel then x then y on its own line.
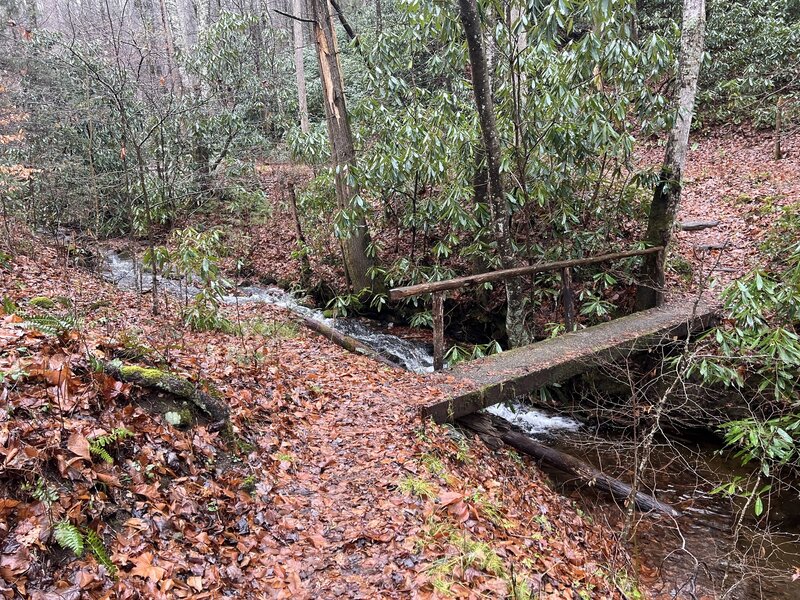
pixel 208 401
pixel 348 343
pixel 494 432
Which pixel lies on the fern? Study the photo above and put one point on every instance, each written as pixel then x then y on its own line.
pixel 50 324
pixel 101 453
pixel 98 548
pixel 69 537
pixel 9 306
pixel 98 446
pixel 44 492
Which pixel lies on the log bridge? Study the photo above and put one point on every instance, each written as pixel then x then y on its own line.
pixel 507 375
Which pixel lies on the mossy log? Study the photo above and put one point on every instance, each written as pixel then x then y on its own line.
pixel 495 432
pixel 209 401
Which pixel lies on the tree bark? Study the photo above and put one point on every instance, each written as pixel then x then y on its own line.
pixel 299 67
pixel 498 204
pixel 667 195
pixel 357 262
pixel 302 246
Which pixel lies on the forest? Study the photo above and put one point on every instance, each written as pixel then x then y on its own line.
pixel 400 299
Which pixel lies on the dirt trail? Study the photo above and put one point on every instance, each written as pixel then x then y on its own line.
pixel 329 486
pixel 733 178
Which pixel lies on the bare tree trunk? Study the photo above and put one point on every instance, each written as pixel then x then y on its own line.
pixel 777 152
pixel 667 194
pixel 189 18
pixel 169 41
pixel 299 67
pixel 357 262
pixel 500 208
pixel 302 245
pixel 31 15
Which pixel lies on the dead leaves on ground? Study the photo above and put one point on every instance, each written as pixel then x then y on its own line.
pixel 301 499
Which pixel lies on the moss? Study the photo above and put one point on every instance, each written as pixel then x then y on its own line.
pixel 148 374
pixel 203 396
pixel 42 302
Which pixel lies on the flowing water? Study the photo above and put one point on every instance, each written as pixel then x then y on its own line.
pixel 698 554
pixel 413 356
pixel 695 555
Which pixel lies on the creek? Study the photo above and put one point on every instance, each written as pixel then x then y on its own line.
pixel 698 554
pixel 413 356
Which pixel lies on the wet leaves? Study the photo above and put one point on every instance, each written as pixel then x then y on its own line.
pixel 299 498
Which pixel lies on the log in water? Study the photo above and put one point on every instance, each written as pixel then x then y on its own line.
pixel 494 431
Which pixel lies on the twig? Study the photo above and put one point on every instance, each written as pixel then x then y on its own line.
pixel 295 17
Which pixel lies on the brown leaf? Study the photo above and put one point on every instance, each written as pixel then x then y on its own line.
pixel 447 498
pixel 195 582
pixel 145 567
pixel 79 445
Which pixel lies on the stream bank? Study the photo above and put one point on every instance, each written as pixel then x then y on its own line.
pixel 694 555
pixel 707 551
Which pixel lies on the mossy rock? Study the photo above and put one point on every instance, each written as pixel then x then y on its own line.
pixel 42 302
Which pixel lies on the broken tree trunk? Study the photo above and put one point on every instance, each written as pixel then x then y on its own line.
pixel 355 239
pixel 494 432
pixel 207 400
pixel 350 344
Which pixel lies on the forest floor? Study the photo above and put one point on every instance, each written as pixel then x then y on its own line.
pixel 733 178
pixel 328 485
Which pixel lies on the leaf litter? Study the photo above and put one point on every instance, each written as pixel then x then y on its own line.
pixel 326 484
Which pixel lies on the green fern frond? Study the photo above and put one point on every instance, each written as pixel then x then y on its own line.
pixel 98 548
pixel 69 537
pixel 50 324
pixel 101 453
pixel 98 445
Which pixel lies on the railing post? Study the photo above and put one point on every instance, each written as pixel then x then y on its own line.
pixel 568 299
pixel 661 279
pixel 438 331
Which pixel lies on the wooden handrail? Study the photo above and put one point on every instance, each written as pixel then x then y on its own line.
pixel 438 289
pixel 459 282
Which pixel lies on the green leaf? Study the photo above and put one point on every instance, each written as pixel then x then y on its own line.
pixel 69 537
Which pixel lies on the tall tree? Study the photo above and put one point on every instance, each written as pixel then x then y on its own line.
pixel 299 67
pixel 498 203
pixel 667 195
pixel 355 240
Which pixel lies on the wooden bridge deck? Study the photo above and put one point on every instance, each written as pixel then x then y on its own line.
pixel 493 379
